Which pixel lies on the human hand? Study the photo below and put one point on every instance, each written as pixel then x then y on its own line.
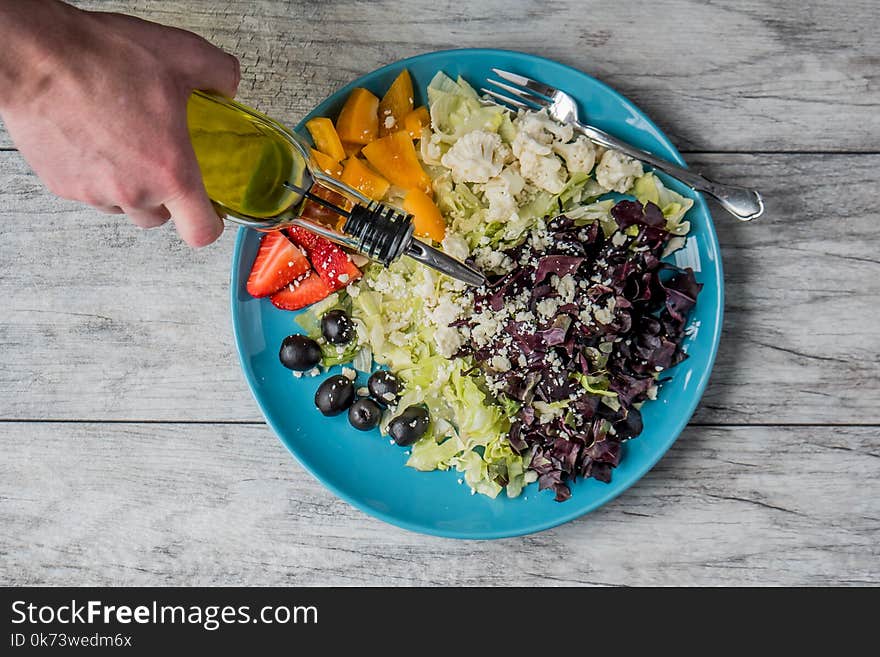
pixel 96 103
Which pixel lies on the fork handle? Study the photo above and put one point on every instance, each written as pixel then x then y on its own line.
pixel 744 204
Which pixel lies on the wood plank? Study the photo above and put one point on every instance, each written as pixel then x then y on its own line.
pixel 103 321
pixel 157 504
pixel 752 75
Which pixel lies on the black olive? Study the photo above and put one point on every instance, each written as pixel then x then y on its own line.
pixel 337 327
pixel 299 353
pixel 409 426
pixel 364 414
pixel 384 387
pixel 334 395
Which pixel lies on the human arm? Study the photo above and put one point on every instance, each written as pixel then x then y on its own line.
pixel 96 104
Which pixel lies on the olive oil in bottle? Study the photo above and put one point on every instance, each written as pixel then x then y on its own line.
pixel 255 172
pixel 245 158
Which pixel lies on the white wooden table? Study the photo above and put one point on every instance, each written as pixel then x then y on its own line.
pixel 133 453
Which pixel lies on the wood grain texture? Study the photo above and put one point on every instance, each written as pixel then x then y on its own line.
pixel 218 504
pixel 133 452
pixel 738 75
pixel 131 325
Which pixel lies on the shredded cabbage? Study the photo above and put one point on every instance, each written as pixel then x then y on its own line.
pixel 456 109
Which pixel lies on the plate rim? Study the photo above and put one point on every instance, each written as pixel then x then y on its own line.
pixel 577 510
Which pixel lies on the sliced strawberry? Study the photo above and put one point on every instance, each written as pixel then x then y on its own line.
pixel 303 238
pixel 301 293
pixel 333 265
pixel 278 262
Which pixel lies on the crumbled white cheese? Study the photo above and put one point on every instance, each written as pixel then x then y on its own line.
pixel 389 121
pixel 524 316
pixel 500 363
pixel 485 329
pixel 349 373
pixel 363 391
pixel 456 246
pixel 565 286
pixel 448 341
pixel 618 239
pixel 605 315
pixel 617 172
pixel 547 307
pixel 586 315
pixel 492 261
pixel 445 312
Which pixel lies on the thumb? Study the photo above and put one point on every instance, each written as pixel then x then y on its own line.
pixel 211 69
pixel 195 218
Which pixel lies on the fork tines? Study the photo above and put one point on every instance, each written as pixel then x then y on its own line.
pixel 528 94
pixel 538 87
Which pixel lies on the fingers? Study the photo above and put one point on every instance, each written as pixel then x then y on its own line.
pixel 148 218
pixel 211 69
pixel 194 217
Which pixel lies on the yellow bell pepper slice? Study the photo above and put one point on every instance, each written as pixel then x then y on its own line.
pixel 396 104
pixel 326 138
pixel 351 150
pixel 427 220
pixel 326 163
pixel 394 156
pixel 416 120
pixel 357 174
pixel 358 122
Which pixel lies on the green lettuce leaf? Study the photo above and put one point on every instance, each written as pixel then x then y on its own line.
pixel 456 109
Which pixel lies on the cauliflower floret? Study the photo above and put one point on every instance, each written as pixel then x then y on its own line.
pixel 540 127
pixel 579 155
pixel 502 204
pixel 515 182
pixel 617 172
pixel 500 193
pixel 476 157
pixel 523 142
pixel 538 164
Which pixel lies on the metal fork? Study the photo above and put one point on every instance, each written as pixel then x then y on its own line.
pixel 744 204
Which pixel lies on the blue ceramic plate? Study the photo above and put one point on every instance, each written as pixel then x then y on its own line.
pixel 363 468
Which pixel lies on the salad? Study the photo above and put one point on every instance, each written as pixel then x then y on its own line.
pixel 541 374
